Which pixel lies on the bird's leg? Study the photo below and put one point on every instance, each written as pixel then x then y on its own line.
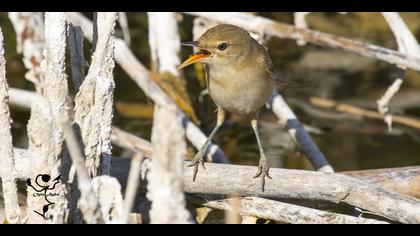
pixel 199 156
pixel 262 167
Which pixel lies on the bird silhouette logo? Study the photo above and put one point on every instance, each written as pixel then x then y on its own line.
pixel 43 186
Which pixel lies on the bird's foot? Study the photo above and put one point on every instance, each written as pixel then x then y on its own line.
pixel 263 170
pixel 196 161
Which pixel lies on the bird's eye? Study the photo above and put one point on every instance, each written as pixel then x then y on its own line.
pixel 222 46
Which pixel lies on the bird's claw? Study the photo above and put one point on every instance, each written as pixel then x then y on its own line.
pixel 263 171
pixel 198 159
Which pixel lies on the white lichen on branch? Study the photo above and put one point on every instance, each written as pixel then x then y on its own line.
pixel 166 187
pixel 93 102
pixel 7 170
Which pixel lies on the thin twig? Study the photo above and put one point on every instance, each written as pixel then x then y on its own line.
pixel 122 20
pixel 289 120
pixel 88 202
pixel 300 22
pixel 408 45
pixel 133 184
pixel 354 110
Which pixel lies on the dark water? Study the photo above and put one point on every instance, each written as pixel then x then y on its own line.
pixel 349 142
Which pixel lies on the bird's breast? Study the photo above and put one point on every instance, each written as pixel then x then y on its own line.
pixel 239 90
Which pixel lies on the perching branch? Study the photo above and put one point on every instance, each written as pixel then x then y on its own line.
pixel 295 184
pixel 7 171
pixel 299 184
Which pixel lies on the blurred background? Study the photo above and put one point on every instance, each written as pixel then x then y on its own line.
pixel 349 142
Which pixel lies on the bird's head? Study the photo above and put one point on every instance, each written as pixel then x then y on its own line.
pixel 220 45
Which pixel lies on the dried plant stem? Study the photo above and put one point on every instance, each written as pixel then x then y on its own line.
pixel 133 184
pixel 354 110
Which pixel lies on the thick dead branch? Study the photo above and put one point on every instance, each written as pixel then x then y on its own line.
pixel 7 170
pixel 164 41
pixel 108 192
pixel 405 180
pixel 350 109
pixel 30 37
pixel 55 91
pixel 281 30
pixel 294 184
pixel 165 188
pixel 280 211
pixel 143 78
pixel 298 184
pixel 406 176
pixel 93 103
pixel 54 86
pixel 390 178
pixel 45 135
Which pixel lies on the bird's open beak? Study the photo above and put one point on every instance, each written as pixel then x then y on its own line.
pixel 199 56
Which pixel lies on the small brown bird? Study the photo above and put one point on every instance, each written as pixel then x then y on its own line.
pixel 240 79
